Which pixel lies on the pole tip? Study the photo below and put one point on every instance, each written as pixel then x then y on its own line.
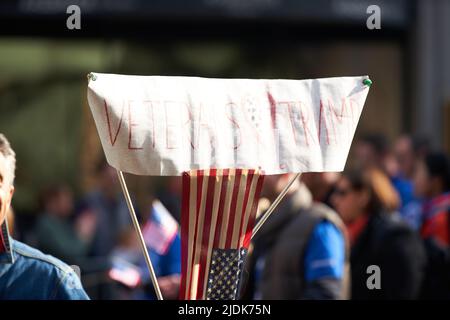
pixel 367 82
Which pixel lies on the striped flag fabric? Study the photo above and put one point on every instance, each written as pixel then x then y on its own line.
pixel 218 215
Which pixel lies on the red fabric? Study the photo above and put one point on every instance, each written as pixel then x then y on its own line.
pixel 436 222
pixel 2 239
pixel 356 227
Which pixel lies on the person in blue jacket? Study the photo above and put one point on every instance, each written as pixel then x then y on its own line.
pixel 162 237
pixel 26 273
pixel 301 252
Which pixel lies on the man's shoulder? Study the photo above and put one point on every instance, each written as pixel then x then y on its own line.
pixel 32 255
pixel 323 210
pixel 35 275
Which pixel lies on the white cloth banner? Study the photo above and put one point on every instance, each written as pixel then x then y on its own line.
pixel 154 125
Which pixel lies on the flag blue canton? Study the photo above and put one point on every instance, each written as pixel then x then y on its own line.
pixel 224 273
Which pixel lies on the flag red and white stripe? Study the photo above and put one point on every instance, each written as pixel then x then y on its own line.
pixel 160 230
pixel 218 212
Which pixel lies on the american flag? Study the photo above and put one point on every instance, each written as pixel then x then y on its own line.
pixel 160 230
pixel 218 214
pixel 125 272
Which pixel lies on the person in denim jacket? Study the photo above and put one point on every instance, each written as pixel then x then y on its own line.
pixel 26 273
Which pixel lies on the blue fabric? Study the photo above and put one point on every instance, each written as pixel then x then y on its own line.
pixel 404 188
pixel 412 213
pixel 325 253
pixel 26 273
pixel 164 265
pixel 170 263
pixel 411 207
pixel 257 276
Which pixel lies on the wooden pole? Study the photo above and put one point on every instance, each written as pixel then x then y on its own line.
pixel 274 204
pixel 139 233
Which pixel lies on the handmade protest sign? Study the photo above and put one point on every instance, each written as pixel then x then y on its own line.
pixel 168 125
pixel 222 136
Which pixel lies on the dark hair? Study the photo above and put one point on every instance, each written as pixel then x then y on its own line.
pixel 377 141
pixel 51 192
pixel 438 165
pixel 421 144
pixel 383 196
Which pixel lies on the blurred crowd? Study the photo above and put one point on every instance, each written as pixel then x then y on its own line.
pixel 388 212
pixel 95 233
pixel 379 230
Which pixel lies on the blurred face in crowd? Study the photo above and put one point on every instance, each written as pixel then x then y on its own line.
pixel 366 155
pixel 274 184
pixel 424 185
pixel 6 187
pixel 349 203
pixel 65 202
pixel 404 155
pixel 320 183
pixel 61 203
pixel 108 181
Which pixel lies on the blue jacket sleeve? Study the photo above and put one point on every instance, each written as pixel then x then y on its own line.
pixel 325 253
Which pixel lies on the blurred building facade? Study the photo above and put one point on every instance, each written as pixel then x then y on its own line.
pixel 44 65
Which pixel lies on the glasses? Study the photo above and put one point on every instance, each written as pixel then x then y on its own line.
pixel 341 192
